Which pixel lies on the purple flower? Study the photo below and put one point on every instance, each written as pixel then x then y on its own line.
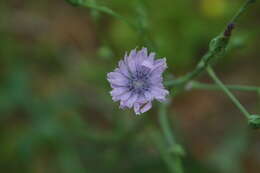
pixel 138 81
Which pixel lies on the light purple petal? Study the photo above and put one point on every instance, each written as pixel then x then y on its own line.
pixel 159 66
pixel 122 106
pixel 148 96
pixel 141 108
pixel 141 99
pixel 115 98
pixel 149 61
pixel 120 94
pixel 130 102
pixel 133 53
pixel 117 78
pixel 137 108
pixel 159 93
pixel 123 68
pixel 138 81
pixel 125 96
pixel 151 56
pixel 130 62
pixel 146 107
pixel 141 55
pixel 156 79
pixel 118 82
pixel 118 91
pixel 116 75
pixel 144 52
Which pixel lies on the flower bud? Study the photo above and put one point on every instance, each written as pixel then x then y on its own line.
pixel 254 121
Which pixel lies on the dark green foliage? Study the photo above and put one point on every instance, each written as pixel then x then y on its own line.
pixel 56 114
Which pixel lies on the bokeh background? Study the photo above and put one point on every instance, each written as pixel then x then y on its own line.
pixel 56 114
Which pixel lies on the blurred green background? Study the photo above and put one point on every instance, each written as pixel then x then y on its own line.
pixel 56 114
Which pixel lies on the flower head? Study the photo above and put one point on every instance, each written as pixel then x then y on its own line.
pixel 138 81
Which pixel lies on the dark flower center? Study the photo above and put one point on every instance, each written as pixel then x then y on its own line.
pixel 139 83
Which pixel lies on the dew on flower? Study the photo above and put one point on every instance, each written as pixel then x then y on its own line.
pixel 138 81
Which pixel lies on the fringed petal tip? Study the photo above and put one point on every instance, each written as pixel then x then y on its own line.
pixel 138 81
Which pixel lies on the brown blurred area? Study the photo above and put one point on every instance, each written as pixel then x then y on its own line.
pixel 206 122
pixel 54 22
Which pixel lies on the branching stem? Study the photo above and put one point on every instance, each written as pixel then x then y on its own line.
pixel 217 48
pixel 174 150
pixel 199 85
pixel 227 92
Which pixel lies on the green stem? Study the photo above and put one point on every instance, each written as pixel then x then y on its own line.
pixel 164 123
pixel 173 162
pixel 241 10
pixel 172 152
pixel 106 10
pixel 136 25
pixel 217 48
pixel 228 93
pixel 199 85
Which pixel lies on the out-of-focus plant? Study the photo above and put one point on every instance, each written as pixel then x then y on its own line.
pixel 171 151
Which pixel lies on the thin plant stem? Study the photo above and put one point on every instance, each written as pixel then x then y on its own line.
pixel 199 85
pixel 173 164
pixel 165 126
pixel 228 93
pixel 106 10
pixel 241 10
pixel 172 158
pixel 218 50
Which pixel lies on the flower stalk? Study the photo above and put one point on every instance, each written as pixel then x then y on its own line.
pixel 200 85
pixel 217 48
pixel 174 152
pixel 227 92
